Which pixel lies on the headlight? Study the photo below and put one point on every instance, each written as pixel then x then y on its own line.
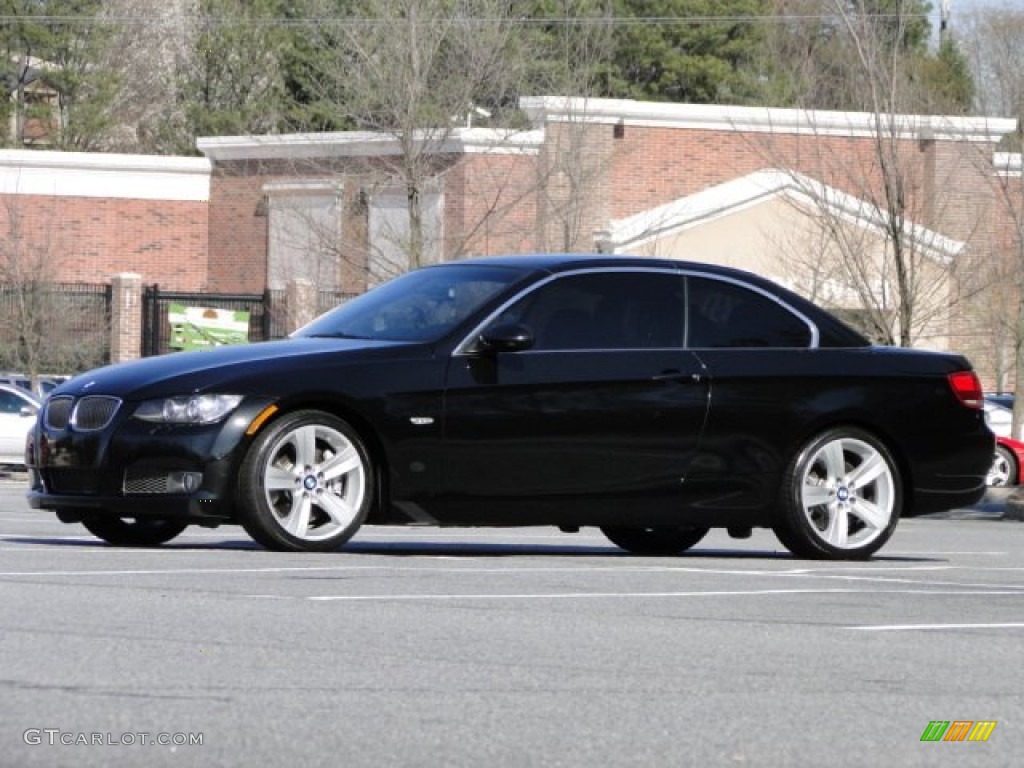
pixel 189 409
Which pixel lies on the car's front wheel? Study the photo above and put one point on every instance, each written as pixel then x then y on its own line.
pixel 306 483
pixel 654 540
pixel 840 497
pixel 140 532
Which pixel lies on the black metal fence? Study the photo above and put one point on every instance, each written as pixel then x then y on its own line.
pixel 65 327
pixel 54 327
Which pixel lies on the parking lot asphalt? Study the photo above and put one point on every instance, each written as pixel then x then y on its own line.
pixel 520 647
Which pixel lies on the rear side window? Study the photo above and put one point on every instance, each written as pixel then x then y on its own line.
pixel 723 314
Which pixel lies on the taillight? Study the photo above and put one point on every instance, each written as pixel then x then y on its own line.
pixel 967 388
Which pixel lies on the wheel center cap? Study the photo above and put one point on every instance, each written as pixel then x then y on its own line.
pixel 843 493
pixel 309 483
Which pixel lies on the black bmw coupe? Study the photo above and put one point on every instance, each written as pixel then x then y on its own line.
pixel 654 399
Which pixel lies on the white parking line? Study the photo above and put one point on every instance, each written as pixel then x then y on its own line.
pixel 941 553
pixel 190 571
pixel 572 595
pixel 636 595
pixel 471 565
pixel 931 582
pixel 920 627
pixel 15 538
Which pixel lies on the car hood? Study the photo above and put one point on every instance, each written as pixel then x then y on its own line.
pixel 238 369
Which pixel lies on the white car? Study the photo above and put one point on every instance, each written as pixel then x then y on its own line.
pixel 999 418
pixel 18 410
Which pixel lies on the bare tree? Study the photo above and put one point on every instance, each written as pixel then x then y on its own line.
pixel 150 47
pixel 995 40
pixel 1006 306
pixel 413 70
pixel 41 330
pixel 574 50
pixel 880 73
pixel 887 176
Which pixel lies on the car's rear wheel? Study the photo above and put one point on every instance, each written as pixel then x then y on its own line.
pixel 1003 471
pixel 840 498
pixel 306 483
pixel 654 540
pixel 139 532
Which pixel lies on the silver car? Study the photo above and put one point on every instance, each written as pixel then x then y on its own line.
pixel 18 409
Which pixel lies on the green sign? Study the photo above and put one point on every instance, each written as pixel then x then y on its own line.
pixel 206 327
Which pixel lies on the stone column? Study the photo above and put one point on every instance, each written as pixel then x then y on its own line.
pixel 301 303
pixel 125 317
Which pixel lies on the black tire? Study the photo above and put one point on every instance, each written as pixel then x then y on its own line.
pixel 840 498
pixel 306 483
pixel 657 541
pixel 1004 471
pixel 140 532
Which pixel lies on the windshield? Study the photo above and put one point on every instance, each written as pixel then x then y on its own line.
pixel 419 306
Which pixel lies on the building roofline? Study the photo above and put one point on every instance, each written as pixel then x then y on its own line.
pixel 94 174
pixel 300 146
pixel 713 117
pixel 735 195
pixel 560 109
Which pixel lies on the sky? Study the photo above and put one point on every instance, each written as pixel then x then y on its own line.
pixel 961 6
pixel 961 10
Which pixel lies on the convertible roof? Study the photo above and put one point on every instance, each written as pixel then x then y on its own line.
pixel 559 262
pixel 833 331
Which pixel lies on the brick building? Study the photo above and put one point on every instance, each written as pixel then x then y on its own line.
pixel 755 188
pixel 330 207
pixel 81 217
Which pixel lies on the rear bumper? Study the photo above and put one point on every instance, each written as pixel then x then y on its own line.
pixel 956 480
pixel 928 501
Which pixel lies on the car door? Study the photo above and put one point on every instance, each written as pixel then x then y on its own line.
pixel 764 369
pixel 603 409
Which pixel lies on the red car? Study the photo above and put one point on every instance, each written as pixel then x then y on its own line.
pixel 1006 463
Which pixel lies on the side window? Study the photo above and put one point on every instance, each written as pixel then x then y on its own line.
pixel 10 403
pixel 723 314
pixel 607 310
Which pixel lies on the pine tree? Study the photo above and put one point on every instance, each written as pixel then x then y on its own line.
pixel 51 51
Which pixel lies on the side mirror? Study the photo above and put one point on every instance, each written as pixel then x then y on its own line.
pixel 505 337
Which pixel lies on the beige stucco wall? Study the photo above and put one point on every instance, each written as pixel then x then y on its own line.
pixel 745 239
pixel 781 241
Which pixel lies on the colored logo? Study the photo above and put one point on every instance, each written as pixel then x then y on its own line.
pixel 958 730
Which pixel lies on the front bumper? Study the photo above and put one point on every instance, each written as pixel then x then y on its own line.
pixel 133 468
